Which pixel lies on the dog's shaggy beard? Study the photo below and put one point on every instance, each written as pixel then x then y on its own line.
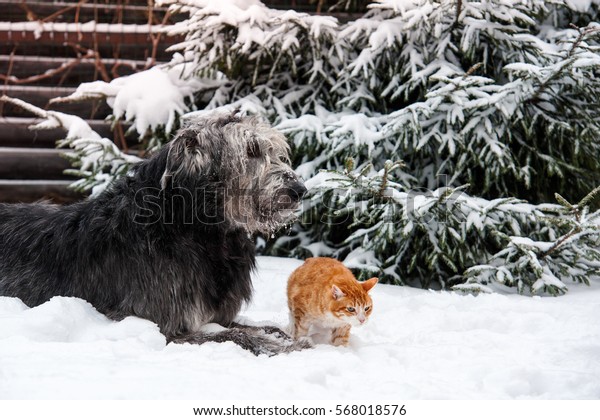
pixel 263 205
pixel 134 250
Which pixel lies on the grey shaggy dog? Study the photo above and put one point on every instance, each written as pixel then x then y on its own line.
pixel 171 241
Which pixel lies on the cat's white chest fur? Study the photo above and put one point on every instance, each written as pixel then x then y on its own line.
pixel 321 328
pixel 328 320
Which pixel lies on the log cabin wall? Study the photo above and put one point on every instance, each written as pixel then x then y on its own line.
pixel 44 55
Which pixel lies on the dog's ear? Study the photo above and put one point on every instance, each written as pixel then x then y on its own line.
pixel 186 158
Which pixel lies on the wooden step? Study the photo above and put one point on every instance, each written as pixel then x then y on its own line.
pixel 40 96
pixel 64 71
pixel 20 191
pixel 65 11
pixel 62 39
pixel 135 11
pixel 26 164
pixel 78 33
pixel 141 52
pixel 16 133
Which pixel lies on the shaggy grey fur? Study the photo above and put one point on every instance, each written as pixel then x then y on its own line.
pixel 171 241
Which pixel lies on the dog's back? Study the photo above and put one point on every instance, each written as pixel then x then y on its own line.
pixel 92 250
pixel 30 266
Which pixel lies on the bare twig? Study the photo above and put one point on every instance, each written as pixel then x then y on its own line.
pixel 7 78
pixel 10 66
pixel 320 6
pixel 63 10
pixel 32 17
pixel 154 37
pixel 78 11
pixel 120 137
pixel 11 62
pixel 98 63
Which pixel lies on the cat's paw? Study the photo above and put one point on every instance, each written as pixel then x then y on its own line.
pixel 304 343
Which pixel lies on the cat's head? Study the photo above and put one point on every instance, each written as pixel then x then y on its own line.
pixel 353 305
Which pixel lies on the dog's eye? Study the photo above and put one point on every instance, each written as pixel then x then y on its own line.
pixel 252 149
pixel 350 309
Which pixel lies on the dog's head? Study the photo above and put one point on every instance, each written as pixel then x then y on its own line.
pixel 243 163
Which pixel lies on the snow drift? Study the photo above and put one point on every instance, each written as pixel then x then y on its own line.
pixel 417 345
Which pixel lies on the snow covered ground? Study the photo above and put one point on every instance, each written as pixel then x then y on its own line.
pixel 417 345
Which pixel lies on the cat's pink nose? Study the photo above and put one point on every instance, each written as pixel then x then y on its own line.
pixel 362 321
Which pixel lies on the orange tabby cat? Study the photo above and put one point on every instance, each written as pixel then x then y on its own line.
pixel 326 300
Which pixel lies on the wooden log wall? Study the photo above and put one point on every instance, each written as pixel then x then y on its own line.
pixel 48 48
pixel 98 40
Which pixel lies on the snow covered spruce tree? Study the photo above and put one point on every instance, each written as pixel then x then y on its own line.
pixel 413 125
pixel 496 95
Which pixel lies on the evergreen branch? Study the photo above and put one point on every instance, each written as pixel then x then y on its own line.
pixel 585 201
pixel 26 106
pixel 546 83
pixel 384 179
pixel 582 34
pixel 567 63
pixel 563 201
pixel 458 11
pixel 78 97
pixel 560 242
pixel 580 208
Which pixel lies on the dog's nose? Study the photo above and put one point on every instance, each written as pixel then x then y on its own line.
pixel 297 190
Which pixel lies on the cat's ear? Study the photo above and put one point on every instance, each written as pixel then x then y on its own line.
pixel 337 292
pixel 368 285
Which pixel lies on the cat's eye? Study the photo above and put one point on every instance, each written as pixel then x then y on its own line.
pixel 350 309
pixel 367 308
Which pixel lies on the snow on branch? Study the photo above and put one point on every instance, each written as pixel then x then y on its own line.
pixel 102 161
pixel 150 99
